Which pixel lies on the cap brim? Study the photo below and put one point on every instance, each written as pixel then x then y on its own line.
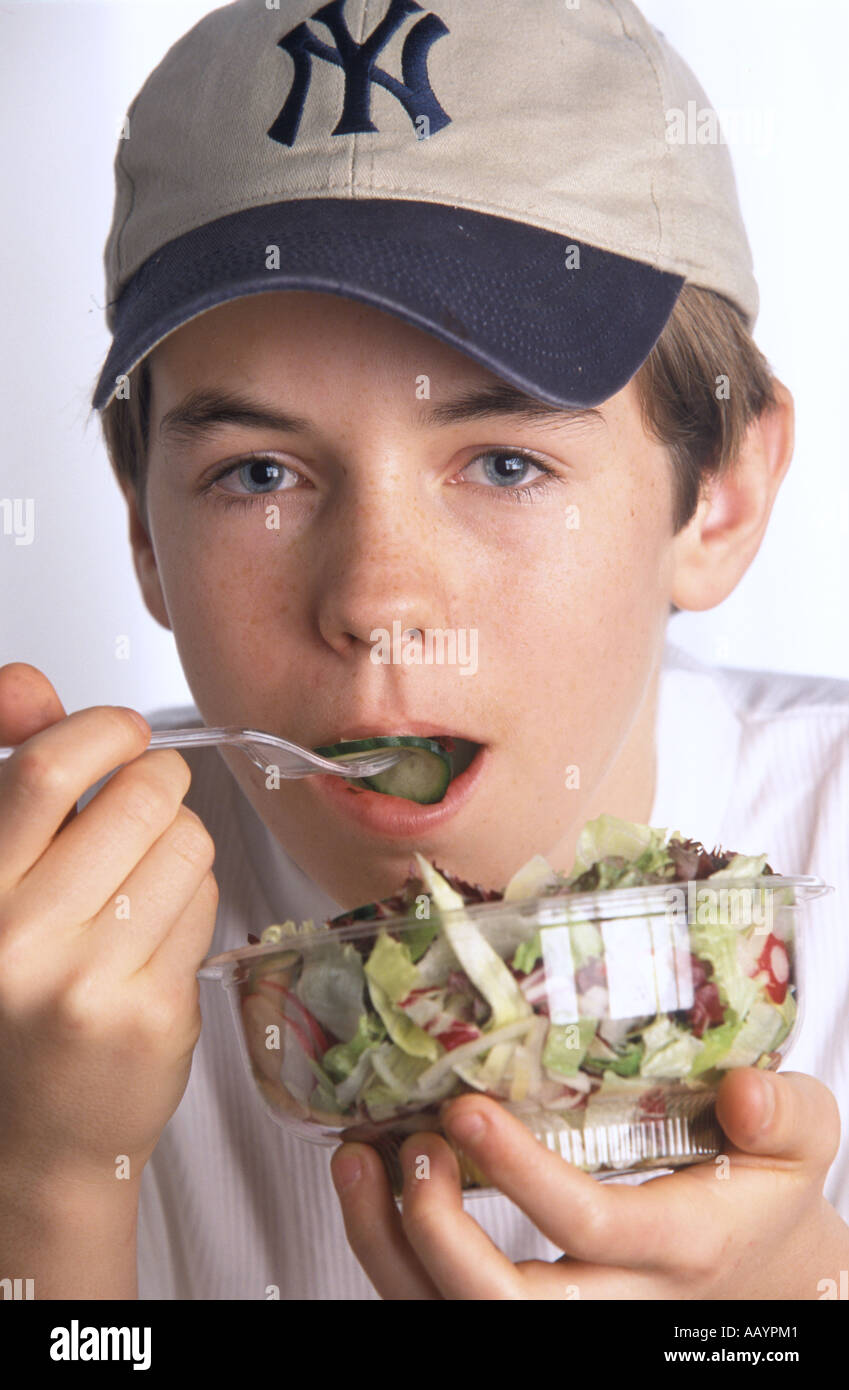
pixel 559 319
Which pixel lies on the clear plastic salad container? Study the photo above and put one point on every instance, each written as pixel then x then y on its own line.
pixel 603 1020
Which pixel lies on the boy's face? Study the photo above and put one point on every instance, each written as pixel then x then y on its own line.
pixel 276 578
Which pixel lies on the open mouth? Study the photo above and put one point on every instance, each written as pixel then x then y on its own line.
pixel 460 751
pixel 423 795
pixel 432 771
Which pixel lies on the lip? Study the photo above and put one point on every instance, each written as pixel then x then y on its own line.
pixel 379 730
pixel 394 817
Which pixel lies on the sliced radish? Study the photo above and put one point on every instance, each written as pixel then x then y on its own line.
pixel 299 1010
pixel 779 964
pixel 457 1034
pixel 259 1015
pixel 295 1013
pixel 775 963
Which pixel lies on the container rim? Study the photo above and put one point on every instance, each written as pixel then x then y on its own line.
pixel 597 906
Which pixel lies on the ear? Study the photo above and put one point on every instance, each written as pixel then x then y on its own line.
pixel 144 559
pixel 715 549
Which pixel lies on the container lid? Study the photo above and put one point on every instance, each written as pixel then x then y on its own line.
pixel 681 897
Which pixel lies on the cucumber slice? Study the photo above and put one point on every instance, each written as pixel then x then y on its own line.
pixel 423 777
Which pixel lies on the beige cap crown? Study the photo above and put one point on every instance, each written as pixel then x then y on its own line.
pixel 556 114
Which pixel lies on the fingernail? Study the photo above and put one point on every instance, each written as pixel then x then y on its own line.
pixel 139 718
pixel 767 1104
pixel 346 1171
pixel 466 1128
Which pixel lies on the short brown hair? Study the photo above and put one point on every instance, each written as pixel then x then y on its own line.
pixel 700 388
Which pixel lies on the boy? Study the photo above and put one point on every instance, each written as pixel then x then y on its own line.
pixel 500 277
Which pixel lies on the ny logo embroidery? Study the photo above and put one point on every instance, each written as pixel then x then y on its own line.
pixel 358 63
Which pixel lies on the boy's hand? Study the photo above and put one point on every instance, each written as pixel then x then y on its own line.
pixel 763 1231
pixel 105 916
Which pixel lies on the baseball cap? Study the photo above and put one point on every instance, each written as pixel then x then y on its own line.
pixel 498 174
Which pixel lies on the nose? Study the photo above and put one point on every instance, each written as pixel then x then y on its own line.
pixel 382 564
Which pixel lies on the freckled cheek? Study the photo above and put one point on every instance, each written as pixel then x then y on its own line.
pixel 622 544
pixel 575 626
pixel 230 605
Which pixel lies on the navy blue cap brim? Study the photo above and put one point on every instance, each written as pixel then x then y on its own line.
pixel 570 329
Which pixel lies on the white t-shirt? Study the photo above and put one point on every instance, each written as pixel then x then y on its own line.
pixel 234 1207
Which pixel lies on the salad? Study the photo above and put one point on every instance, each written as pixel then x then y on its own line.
pixel 399 1018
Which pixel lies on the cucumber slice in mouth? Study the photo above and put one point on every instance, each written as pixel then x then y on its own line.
pixel 422 777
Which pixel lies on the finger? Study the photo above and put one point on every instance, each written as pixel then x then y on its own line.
pixel 599 1223
pixel 132 927
pixel 86 866
pixel 28 704
pixel 373 1227
pixel 785 1116
pixel 459 1256
pixel 568 1280
pixel 575 1280
pixel 188 940
pixel 42 781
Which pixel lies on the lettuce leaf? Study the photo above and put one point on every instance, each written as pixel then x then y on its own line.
pixel 718 943
pixel 401 1029
pixel 717 1044
pixel 417 939
pixel 566 1046
pixel 527 954
pixel 762 1029
pixel 390 966
pixel 331 986
pixel 670 1051
pixel 483 965
pixel 609 836
pixel 740 866
pixel 339 1061
pixel 675 1060
pixel 531 881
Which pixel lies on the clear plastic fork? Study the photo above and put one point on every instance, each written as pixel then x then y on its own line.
pixel 268 752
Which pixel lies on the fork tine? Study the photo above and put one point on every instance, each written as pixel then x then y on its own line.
pixel 294 763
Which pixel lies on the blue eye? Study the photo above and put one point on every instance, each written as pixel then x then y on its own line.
pixel 258 476
pixel 505 469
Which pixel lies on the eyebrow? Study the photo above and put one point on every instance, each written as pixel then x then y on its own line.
pixel 200 413
pixel 504 399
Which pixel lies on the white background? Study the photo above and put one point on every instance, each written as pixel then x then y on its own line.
pixel 67 74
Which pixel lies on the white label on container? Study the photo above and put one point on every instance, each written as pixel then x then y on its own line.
pixel 630 969
pixel 647 960
pixel 559 974
pixel 648 966
pixel 671 937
